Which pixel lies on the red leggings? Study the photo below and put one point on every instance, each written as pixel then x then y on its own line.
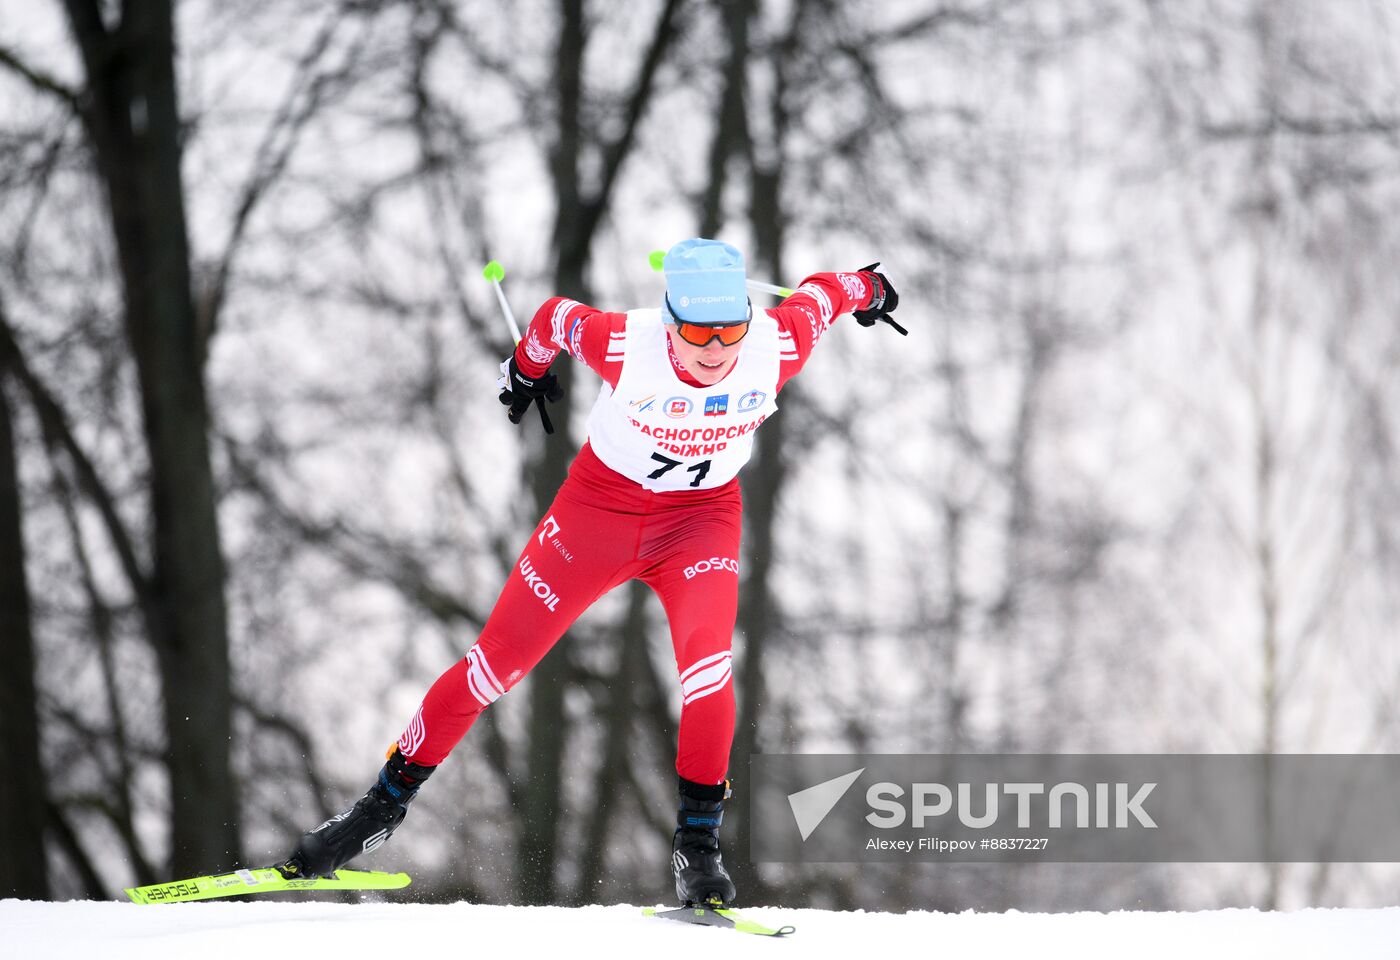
pixel 601 531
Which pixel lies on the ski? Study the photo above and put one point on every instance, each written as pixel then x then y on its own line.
pixel 262 880
pixel 718 917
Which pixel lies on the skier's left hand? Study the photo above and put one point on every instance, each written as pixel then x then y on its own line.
pixel 882 301
pixel 518 391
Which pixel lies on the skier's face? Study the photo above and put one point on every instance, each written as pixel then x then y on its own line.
pixel 707 364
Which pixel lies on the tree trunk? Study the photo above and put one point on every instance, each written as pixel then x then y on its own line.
pixel 762 482
pixel 23 866
pixel 132 120
pixel 618 716
pixel 548 465
pixel 732 124
pixel 764 477
pixel 577 217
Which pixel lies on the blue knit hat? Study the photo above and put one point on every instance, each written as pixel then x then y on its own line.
pixel 705 283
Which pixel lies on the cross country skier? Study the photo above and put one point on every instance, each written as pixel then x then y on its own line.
pixel 652 495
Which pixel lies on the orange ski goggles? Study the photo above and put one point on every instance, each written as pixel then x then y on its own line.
pixel 700 334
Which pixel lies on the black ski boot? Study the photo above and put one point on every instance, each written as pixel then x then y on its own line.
pixel 366 825
pixel 701 879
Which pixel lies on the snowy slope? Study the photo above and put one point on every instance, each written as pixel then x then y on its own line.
pixel 123 931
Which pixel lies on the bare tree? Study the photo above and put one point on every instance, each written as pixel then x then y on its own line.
pixel 130 112
pixel 23 805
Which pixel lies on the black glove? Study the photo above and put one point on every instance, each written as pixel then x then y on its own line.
pixel 518 391
pixel 881 303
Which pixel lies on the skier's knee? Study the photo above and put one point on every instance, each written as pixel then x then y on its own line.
pixel 483 682
pixel 706 676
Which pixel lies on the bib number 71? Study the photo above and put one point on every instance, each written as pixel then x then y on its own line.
pixel 667 464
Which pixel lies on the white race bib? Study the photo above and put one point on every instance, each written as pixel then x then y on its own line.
pixel 667 435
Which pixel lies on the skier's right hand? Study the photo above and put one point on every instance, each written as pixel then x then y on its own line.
pixel 519 391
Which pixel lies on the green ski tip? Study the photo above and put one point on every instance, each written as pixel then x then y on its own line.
pixel 657 259
pixel 494 271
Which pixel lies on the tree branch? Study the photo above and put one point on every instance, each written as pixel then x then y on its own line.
pixel 121 783
pixel 273 154
pixel 299 738
pixel 67 839
pixel 55 424
pixel 364 553
pixel 41 81
pixel 1302 126
pixel 615 153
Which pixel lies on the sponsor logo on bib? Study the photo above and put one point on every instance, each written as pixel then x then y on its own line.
pixel 717 405
pixel 677 407
pixel 752 400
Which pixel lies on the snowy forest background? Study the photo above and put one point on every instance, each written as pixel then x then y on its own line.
pixel 1130 484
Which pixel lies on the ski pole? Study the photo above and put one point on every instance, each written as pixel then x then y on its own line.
pixel 657 257
pixel 496 273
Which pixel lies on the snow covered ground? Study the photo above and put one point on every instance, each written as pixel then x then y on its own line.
pixel 125 931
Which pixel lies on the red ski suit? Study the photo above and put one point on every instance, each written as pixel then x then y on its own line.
pixel 604 529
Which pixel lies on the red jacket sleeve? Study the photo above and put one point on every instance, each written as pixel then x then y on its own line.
pixel 583 332
pixel 597 337
pixel 810 311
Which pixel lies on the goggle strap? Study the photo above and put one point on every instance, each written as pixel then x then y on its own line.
pixel 677 317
